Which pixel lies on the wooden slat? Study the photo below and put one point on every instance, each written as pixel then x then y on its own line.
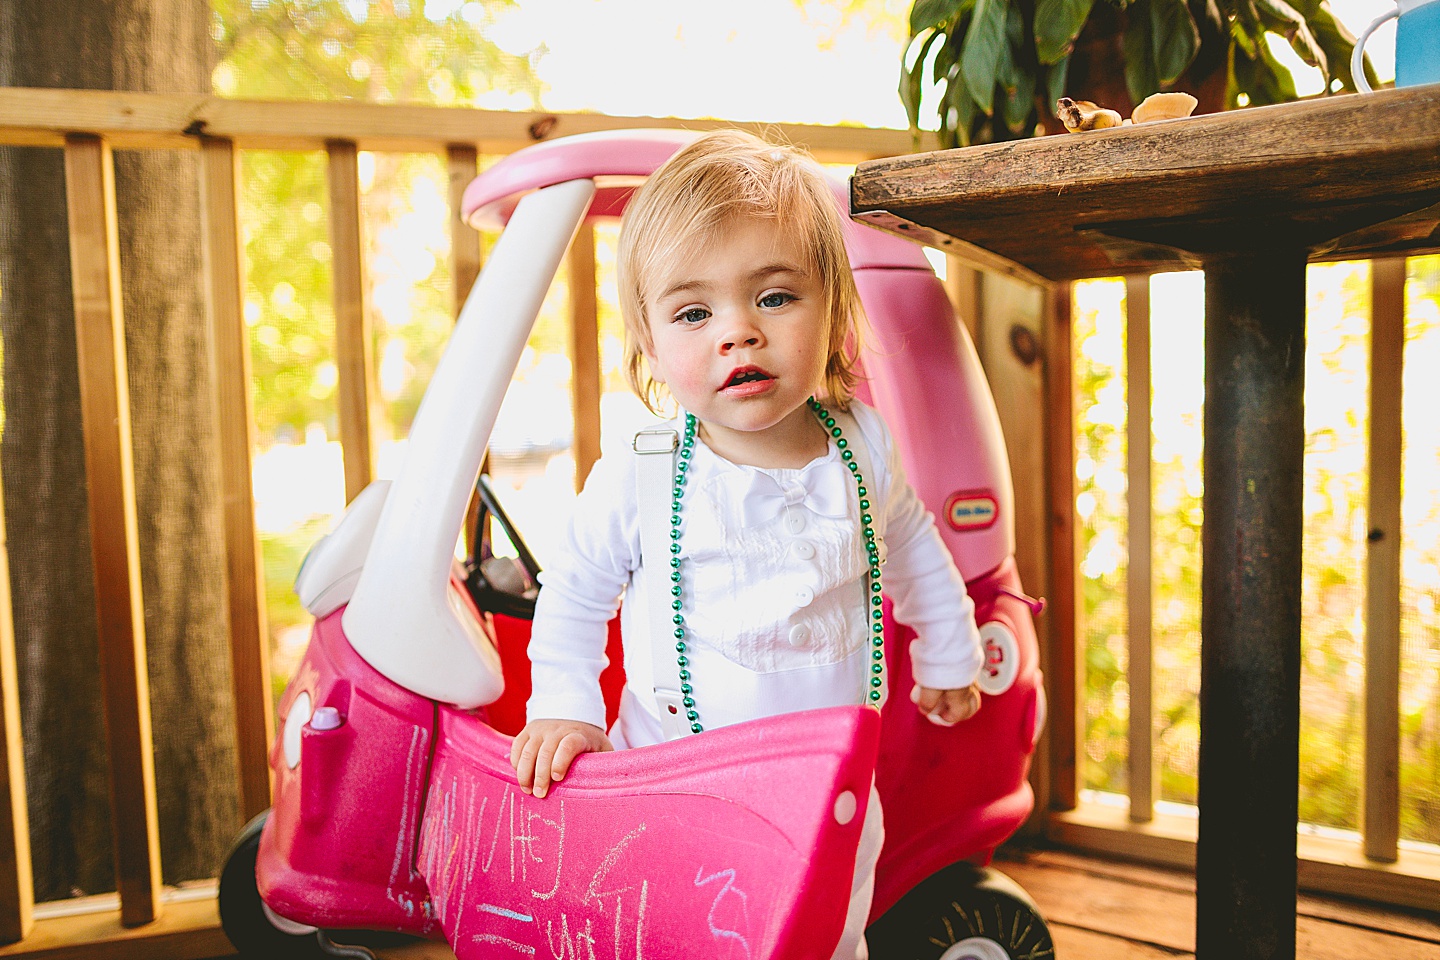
pixel 17 891
pixel 1009 345
pixel 584 352
pixel 1137 585
pixel 1063 676
pixel 188 930
pixel 354 351
pixel 462 162
pixel 36 117
pixel 114 536
pixel 230 374
pixel 1382 559
pixel 962 284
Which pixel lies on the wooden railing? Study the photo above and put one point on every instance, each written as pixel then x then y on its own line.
pixel 1378 867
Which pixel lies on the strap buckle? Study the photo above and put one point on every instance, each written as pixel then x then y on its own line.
pixel 662 440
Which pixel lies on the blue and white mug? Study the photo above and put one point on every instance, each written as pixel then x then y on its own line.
pixel 1417 44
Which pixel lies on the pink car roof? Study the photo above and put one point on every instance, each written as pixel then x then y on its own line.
pixel 618 160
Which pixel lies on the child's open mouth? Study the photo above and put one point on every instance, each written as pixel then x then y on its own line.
pixel 745 381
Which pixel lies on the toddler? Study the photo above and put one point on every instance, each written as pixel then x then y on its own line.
pixel 751 557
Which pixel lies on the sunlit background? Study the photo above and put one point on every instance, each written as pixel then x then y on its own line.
pixel 816 62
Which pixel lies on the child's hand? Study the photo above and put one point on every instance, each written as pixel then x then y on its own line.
pixel 543 751
pixel 946 708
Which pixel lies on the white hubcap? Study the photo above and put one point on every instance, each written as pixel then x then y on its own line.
pixel 976 948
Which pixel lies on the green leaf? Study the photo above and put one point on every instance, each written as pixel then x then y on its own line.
pixel 1285 20
pixel 1020 103
pixel 1335 39
pixel 1141 78
pixel 1055 76
pixel 1263 80
pixel 927 14
pixel 1057 24
pixel 957 113
pixel 986 51
pixel 1017 82
pixel 911 80
pixel 1246 28
pixel 945 59
pixel 1174 37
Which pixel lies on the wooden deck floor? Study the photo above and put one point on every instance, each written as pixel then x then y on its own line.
pixel 1107 910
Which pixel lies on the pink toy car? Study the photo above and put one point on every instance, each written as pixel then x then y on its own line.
pixel 395 805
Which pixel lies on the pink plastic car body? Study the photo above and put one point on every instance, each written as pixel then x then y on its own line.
pixel 397 810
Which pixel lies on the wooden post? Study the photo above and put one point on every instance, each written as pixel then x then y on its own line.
pixel 1009 330
pixel 1382 563
pixel 1245 866
pixel 462 161
pixel 110 471
pixel 17 890
pixel 354 350
pixel 584 352
pixel 1065 678
pixel 230 373
pixel 1137 587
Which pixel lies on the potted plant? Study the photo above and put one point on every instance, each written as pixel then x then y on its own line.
pixel 1000 65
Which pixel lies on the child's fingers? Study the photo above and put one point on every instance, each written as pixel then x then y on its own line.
pixel 925 698
pixel 525 762
pixel 544 760
pixel 571 747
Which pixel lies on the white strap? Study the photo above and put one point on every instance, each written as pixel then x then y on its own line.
pixel 654 478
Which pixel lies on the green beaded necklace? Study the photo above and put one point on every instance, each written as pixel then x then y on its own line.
pixel 877 627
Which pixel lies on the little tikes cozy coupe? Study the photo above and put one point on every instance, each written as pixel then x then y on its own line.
pixel 395 805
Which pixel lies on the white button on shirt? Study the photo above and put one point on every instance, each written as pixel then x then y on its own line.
pixel 794 520
pixel 799 635
pixel 802 550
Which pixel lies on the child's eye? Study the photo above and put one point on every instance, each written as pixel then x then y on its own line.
pixel 773 300
pixel 693 315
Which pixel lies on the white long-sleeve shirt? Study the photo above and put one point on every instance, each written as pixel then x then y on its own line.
pixel 775 615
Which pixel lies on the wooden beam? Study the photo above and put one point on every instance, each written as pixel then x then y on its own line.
pixel 463 163
pixel 17 891
pixel 110 472
pixel 188 930
pixel 354 349
pixel 1064 677
pixel 1009 343
pixel 1137 579
pixel 36 117
pixel 1382 563
pixel 584 351
pixel 229 338
pixel 962 285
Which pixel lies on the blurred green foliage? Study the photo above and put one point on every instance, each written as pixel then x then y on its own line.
pixel 386 51
pixel 1333 589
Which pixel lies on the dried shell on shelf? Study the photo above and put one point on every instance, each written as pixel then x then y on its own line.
pixel 1078 115
pixel 1164 106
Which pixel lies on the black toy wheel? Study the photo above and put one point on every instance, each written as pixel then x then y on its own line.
pixel 250 927
pixel 963 912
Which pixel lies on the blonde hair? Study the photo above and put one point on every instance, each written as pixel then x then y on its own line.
pixel 693 197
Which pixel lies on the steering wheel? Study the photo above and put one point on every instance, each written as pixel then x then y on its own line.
pixel 504 585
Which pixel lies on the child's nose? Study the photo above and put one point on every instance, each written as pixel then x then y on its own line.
pixel 742 331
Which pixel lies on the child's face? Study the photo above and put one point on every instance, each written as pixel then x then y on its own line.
pixel 739 329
